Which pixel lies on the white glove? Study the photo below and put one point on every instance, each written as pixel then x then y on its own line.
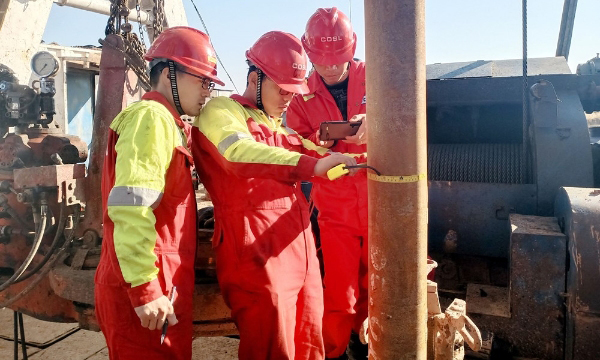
pixel 363 333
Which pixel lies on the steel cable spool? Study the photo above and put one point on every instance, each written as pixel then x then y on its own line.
pixel 487 163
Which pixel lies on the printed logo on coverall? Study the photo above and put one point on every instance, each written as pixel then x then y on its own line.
pixel 299 66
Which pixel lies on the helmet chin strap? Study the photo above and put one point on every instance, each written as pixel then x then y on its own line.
pixel 259 79
pixel 174 87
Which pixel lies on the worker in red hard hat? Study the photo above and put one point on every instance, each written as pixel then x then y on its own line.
pixel 149 206
pixel 337 92
pixel 251 164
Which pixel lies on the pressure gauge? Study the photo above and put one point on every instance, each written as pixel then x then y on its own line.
pixel 44 64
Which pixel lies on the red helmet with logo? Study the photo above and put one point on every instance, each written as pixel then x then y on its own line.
pixel 281 57
pixel 189 47
pixel 329 39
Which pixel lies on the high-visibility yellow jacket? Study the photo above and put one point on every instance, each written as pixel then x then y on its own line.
pixel 248 162
pixel 149 202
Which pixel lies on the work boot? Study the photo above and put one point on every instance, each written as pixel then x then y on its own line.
pixel 356 349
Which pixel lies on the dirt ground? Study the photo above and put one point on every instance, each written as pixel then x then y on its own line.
pixel 49 341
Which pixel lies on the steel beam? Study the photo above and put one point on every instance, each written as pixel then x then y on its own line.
pixel 395 54
pixel 566 28
pixel 103 7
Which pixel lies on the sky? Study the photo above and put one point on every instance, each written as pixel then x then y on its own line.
pixel 456 30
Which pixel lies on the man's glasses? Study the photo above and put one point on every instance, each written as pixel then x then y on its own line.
pixel 281 91
pixel 206 82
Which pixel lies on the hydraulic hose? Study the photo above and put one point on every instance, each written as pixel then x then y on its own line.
pixel 60 256
pixel 55 243
pixel 39 235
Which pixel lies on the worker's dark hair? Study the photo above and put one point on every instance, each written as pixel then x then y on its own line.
pixel 156 71
pixel 252 68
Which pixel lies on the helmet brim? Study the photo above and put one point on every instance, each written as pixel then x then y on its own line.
pixel 328 60
pixel 190 68
pixel 203 73
pixel 295 88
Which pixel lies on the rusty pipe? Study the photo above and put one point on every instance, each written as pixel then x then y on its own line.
pixel 109 104
pixel 395 54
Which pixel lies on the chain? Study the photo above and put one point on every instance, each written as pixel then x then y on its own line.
pixel 141 28
pixel 159 17
pixel 115 6
pixel 118 24
pixel 135 60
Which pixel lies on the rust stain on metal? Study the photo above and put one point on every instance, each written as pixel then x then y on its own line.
pixel 397 212
pixel 378 258
pixel 48 176
pixel 110 102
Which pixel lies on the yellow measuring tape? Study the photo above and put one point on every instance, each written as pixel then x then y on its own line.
pixel 396 179
pixel 341 170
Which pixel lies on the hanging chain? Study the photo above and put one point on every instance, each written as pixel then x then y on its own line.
pixel 114 13
pixel 141 27
pixel 159 17
pixel 118 24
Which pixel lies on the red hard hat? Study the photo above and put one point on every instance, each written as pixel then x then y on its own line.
pixel 189 47
pixel 329 39
pixel 281 57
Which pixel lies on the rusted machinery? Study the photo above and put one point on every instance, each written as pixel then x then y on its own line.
pixel 50 217
pixel 513 217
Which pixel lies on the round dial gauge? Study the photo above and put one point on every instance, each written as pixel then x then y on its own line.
pixel 44 64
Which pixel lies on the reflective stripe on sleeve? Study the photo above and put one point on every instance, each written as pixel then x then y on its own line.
pixel 230 140
pixel 134 196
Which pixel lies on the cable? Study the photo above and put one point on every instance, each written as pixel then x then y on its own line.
pixel 59 232
pixel 350 1
pixel 216 54
pixel 363 166
pixel 39 235
pixel 525 157
pixel 60 256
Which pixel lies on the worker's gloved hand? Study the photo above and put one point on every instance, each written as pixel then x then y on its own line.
pixel 153 314
pixel 326 163
pixel 363 334
pixel 360 137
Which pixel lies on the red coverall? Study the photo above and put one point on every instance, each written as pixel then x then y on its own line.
pixel 342 208
pixel 165 208
pixel 267 266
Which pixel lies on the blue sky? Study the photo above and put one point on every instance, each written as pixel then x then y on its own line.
pixel 456 30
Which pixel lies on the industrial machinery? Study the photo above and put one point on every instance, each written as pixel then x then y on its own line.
pixel 50 204
pixel 49 239
pixel 513 217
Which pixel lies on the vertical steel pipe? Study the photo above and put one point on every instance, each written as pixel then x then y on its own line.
pixel 109 103
pixel 395 56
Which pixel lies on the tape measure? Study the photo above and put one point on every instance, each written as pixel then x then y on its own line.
pixel 341 170
pixel 396 179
